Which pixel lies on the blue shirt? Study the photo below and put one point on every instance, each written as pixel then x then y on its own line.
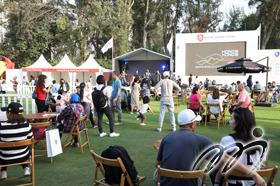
pixel 116 85
pixel 54 89
pixel 257 86
pixel 23 82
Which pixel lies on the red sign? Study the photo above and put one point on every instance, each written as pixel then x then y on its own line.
pixel 200 37
pixel 58 70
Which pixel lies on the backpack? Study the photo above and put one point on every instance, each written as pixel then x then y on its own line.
pixel 98 98
pixel 113 174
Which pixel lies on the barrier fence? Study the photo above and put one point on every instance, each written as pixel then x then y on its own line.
pixel 23 99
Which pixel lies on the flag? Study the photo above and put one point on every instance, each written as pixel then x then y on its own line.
pixel 169 45
pixel 259 29
pixel 108 45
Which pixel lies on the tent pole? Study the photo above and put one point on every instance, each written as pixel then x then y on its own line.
pixel 266 88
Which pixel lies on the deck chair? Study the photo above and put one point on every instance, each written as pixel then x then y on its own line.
pixel 263 173
pixel 29 142
pixel 77 133
pixel 181 174
pixel 114 163
pixel 52 105
pixel 39 125
pixel 220 114
pixel 200 111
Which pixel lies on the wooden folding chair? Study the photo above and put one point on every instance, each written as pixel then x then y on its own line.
pixel 220 114
pixel 52 105
pixel 266 164
pixel 29 142
pixel 178 101
pixel 77 133
pixel 200 111
pixel 257 93
pixel 113 163
pixel 181 174
pixel 263 173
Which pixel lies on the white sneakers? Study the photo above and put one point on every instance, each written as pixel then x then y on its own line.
pixel 113 134
pixel 3 175
pixel 131 112
pixel 159 129
pixel 142 124
pixel 103 134
pixel 136 118
pixel 117 123
pixel 137 112
pixel 26 171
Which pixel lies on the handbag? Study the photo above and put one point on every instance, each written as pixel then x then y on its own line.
pixel 53 142
pixel 34 95
pixel 39 133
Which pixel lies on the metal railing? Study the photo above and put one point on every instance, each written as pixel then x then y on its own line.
pixel 6 99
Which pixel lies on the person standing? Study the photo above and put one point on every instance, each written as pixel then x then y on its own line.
pixel 250 82
pixel 179 81
pixel 158 75
pixel 115 100
pixel 24 81
pixel 41 92
pixel 137 75
pixel 196 81
pixel 3 87
pixel 145 88
pixel 96 94
pixel 49 99
pixel 132 80
pixel 77 83
pixel 148 74
pixel 19 82
pixel 54 87
pixel 123 77
pixel 90 79
pixel 190 80
pixel 64 86
pixel 166 99
pixel 135 91
pixel 14 84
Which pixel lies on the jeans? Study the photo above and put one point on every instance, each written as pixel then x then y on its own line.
pixel 170 106
pixel 118 108
pixel 108 113
pixel 40 105
pixel 142 116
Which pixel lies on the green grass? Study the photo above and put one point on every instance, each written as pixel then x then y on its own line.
pixel 74 168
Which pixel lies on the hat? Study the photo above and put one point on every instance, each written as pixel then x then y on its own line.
pixel 14 108
pixel 187 116
pixel 166 73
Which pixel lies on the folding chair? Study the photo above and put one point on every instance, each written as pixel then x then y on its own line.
pixel 52 105
pixel 200 111
pixel 113 163
pixel 252 108
pixel 220 114
pixel 266 165
pixel 29 142
pixel 178 101
pixel 257 93
pixel 77 133
pixel 181 174
pixel 263 173
pixel 41 125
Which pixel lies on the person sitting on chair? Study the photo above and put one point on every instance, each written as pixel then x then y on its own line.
pixel 195 98
pixel 15 129
pixel 217 98
pixel 69 116
pixel 244 99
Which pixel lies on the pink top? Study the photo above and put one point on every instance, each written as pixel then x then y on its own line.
pixel 4 87
pixel 244 96
pixel 61 101
pixel 194 99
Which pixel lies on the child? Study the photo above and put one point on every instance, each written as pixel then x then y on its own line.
pixel 62 99
pixel 143 109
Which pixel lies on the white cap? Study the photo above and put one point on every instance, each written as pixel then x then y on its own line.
pixel 187 116
pixel 166 73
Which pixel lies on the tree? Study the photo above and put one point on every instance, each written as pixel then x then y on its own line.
pixel 234 19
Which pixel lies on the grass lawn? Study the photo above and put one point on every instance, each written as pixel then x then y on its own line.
pixel 74 168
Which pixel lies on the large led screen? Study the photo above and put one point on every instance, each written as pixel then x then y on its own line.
pixel 203 59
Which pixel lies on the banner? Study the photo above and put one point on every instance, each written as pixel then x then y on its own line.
pixel 108 45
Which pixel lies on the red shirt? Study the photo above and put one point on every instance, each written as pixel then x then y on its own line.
pixel 40 93
pixel 194 99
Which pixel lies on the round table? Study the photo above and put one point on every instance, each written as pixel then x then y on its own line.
pixel 157 144
pixel 29 117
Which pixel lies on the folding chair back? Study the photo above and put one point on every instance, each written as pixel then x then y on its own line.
pixel 199 112
pixel 29 142
pixel 77 133
pixel 113 163
pixel 263 173
pixel 52 105
pixel 181 174
pixel 220 114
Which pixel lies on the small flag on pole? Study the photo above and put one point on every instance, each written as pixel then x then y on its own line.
pixel 169 45
pixel 259 29
pixel 108 45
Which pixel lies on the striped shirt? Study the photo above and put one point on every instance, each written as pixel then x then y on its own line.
pixel 12 132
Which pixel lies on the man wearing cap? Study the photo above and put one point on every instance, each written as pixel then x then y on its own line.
pixel 166 99
pixel 179 150
pixel 16 128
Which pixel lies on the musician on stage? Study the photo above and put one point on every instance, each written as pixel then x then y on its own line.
pixel 123 77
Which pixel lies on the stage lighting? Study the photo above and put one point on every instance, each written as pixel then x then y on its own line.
pixel 163 67
pixel 125 63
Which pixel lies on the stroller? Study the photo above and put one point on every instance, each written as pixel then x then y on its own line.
pixel 124 99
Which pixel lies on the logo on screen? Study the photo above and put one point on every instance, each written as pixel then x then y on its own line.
pixel 200 37
pixel 276 54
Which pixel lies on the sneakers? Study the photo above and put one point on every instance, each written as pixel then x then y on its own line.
pixel 113 134
pixel 118 123
pixel 74 144
pixel 102 134
pixel 159 129
pixel 137 112
pixel 173 129
pixel 26 171
pixel 136 118
pixel 107 123
pixel 142 124
pixel 131 112
pixel 94 126
pixel 3 175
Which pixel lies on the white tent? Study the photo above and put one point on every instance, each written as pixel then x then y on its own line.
pixel 41 66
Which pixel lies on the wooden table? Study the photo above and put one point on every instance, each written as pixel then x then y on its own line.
pixel 157 144
pixel 29 117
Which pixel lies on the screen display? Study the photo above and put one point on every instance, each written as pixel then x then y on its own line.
pixel 203 59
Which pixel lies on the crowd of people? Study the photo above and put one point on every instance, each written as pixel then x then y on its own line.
pixel 172 153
